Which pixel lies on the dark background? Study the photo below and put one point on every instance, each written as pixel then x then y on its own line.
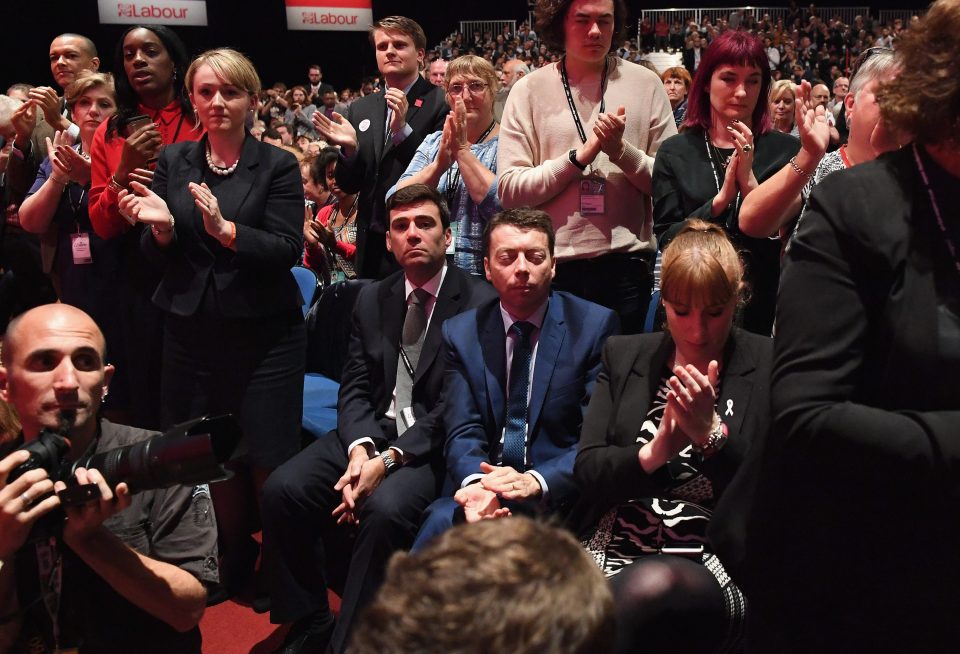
pixel 259 29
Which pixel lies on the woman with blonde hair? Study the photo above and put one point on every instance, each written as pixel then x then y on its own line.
pixel 224 218
pixel 671 418
pixel 461 160
pixel 782 99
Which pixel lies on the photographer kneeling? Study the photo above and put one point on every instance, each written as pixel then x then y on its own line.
pixel 122 573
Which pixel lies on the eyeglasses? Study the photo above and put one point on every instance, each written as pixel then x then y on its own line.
pixel 865 55
pixel 476 88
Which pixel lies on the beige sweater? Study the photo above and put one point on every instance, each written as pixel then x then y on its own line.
pixel 537 134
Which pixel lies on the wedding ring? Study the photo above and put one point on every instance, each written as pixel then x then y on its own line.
pixel 747 147
pixel 27 502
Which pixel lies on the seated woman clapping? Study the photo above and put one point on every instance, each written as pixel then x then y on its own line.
pixel 669 422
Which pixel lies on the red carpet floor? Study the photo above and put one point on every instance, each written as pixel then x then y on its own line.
pixel 234 628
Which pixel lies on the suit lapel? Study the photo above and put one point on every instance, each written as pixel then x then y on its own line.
pixel 447 305
pixel 233 191
pixel 493 348
pixel 194 163
pixel 393 306
pixel 548 352
pixel 736 388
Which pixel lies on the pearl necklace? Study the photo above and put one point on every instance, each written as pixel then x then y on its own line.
pixel 220 170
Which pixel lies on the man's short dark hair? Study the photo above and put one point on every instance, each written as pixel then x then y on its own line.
pixel 271 133
pixel 511 585
pixel 550 15
pixel 523 218
pixel 403 25
pixel 416 193
pixel 317 66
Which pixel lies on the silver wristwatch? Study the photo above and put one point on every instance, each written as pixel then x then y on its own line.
pixel 389 462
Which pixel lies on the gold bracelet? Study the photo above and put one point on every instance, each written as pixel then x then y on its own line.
pixel 114 185
pixel 798 170
pixel 61 182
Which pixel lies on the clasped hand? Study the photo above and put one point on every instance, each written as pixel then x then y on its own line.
pixel 362 476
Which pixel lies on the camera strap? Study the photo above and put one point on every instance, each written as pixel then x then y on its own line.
pixel 50 571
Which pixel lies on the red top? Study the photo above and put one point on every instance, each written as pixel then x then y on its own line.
pixel 105 157
pixel 344 249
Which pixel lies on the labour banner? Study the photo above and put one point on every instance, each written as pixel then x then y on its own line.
pixel 154 12
pixel 346 15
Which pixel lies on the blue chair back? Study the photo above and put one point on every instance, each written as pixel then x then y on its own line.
pixel 309 285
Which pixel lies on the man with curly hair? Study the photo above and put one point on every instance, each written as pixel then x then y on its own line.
pixel 577 141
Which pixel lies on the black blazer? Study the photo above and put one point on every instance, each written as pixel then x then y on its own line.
pixel 264 197
pixel 607 465
pixel 370 373
pixel 848 516
pixel 378 163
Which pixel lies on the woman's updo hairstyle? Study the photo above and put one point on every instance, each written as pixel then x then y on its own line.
pixel 701 267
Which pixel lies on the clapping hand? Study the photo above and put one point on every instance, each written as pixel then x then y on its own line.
pixel 742 138
pixel 337 131
pixel 811 123
pixel 609 131
pixel 691 398
pixel 397 102
pixel 67 162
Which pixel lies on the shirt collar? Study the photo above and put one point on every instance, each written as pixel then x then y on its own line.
pixel 406 89
pixel 536 318
pixel 432 285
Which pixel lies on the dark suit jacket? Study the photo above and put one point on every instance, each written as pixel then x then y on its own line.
pixel 376 167
pixel 608 467
pixel 566 367
pixel 852 504
pixel 370 373
pixel 264 197
pixel 689 59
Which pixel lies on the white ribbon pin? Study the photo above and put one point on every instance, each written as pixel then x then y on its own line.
pixel 364 124
pixel 729 411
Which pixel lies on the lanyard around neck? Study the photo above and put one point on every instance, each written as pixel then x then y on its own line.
pixel 573 107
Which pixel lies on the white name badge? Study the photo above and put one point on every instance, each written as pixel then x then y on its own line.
pixel 454 230
pixel 80 244
pixel 593 196
pixel 364 124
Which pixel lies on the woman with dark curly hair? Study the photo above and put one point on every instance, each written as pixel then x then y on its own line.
pixel 852 540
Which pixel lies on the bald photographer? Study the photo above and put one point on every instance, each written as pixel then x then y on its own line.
pixel 123 572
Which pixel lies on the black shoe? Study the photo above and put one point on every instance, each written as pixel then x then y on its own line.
pixel 217 594
pixel 309 635
pixel 260 603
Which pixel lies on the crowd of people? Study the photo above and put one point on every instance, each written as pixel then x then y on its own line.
pixel 508 214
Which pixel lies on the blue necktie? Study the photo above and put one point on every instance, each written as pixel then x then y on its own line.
pixel 515 434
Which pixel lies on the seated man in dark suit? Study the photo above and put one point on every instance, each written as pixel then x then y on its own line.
pixel 340 508
pixel 520 371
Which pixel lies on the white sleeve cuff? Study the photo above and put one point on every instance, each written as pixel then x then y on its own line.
pixel 471 479
pixel 367 443
pixel 543 484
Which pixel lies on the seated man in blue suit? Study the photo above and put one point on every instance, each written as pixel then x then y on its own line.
pixel 519 374
pixel 333 514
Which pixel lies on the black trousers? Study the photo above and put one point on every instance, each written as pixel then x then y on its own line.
pixel 252 368
pixel 619 281
pixel 306 552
